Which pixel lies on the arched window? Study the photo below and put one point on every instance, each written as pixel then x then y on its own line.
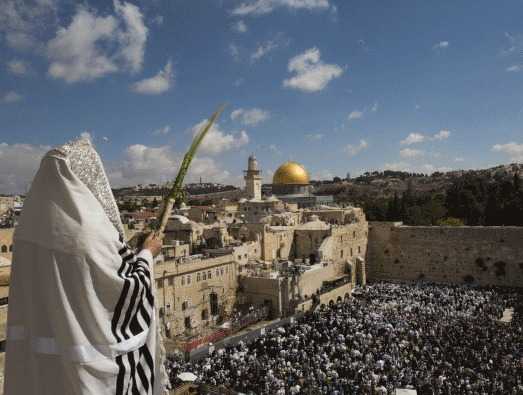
pixel 4 248
pixel 11 248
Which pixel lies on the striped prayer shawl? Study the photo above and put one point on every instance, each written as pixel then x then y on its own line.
pixel 132 315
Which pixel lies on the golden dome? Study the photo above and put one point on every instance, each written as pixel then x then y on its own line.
pixel 291 173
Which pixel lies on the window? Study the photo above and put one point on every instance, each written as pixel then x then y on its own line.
pixel 341 254
pixel 170 280
pixel 185 305
pixel 188 279
pixel 221 271
pixel 209 275
pixel 217 272
pixel 198 277
pixel 354 234
pixel 351 252
pixel 11 248
pixel 159 283
pixel 4 248
pixel 183 280
pixel 187 322
pixel 204 276
pixel 205 315
pixel 359 250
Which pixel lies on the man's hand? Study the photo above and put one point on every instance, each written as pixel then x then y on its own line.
pixel 153 242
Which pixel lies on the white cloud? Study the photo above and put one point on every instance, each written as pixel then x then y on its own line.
pixel 21 22
pixel 324 174
pixel 145 164
pixel 408 153
pixel 311 74
pixel 18 165
pixel 17 67
pixel 441 135
pixel 459 159
pixel 512 149
pixel 514 68
pixel 441 45
pixel 93 46
pixel 217 141
pixel 355 115
pixel 353 150
pixel 234 51
pixel 74 52
pixel 157 84
pixel 263 49
pixel 261 7
pixel 240 26
pixel 133 36
pixel 251 117
pixel 238 82
pixel 11 97
pixel 375 107
pixel 314 137
pixel 162 131
pixel 413 138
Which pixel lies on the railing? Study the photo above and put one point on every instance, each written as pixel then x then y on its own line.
pixel 236 326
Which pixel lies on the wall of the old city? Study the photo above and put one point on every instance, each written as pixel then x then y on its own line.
pixel 482 255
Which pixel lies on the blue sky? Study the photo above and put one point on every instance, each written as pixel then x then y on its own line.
pixel 340 86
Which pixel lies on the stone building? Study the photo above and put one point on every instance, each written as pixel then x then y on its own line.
pixel 253 179
pixel 6 243
pixel 196 293
pixel 6 203
pixel 291 184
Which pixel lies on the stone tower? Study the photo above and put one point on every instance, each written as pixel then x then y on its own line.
pixel 253 179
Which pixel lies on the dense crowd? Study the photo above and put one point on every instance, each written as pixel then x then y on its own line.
pixel 432 338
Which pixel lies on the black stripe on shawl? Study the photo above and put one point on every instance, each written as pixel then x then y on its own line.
pixel 134 271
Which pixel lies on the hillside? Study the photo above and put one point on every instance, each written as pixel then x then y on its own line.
pixel 385 184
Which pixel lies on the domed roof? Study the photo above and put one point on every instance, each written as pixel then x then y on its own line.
pixel 291 173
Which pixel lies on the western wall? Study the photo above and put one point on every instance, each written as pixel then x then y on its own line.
pixel 463 254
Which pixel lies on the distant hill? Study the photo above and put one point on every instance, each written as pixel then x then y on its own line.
pixel 385 184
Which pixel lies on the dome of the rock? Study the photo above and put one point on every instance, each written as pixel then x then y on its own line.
pixel 291 173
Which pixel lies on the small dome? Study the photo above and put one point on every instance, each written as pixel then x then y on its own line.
pixel 291 173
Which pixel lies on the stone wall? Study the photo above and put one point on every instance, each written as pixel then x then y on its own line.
pixel 478 255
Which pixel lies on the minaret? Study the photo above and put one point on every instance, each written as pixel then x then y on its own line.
pixel 253 179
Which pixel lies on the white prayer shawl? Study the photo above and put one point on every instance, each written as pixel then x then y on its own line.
pixel 81 316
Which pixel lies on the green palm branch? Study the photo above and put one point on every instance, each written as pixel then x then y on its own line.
pixel 176 193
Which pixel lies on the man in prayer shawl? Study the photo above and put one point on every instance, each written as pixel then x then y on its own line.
pixel 81 314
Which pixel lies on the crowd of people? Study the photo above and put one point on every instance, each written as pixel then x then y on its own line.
pixel 432 338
